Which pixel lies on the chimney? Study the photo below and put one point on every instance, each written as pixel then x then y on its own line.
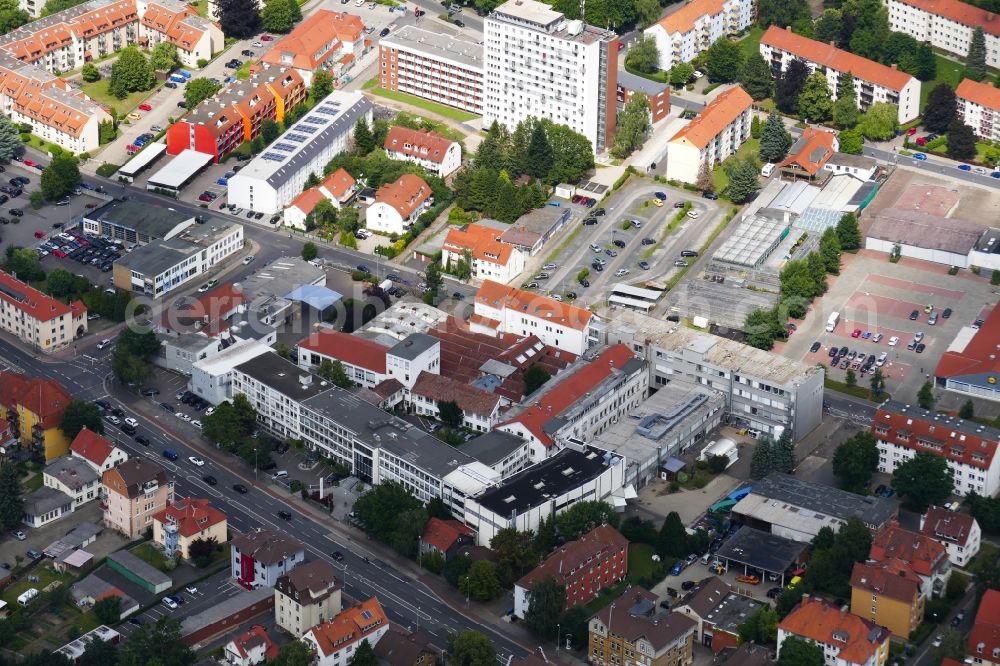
pixel 894 66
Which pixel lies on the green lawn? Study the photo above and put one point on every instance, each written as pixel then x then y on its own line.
pixel 98 91
pixel 948 71
pixel 751 43
pixel 34 483
pixel 640 561
pixel 202 7
pixel 150 554
pixel 446 111
pixel 46 576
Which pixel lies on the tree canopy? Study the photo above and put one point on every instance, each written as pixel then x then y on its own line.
pixel 879 122
pixel 797 652
pixel 10 139
pixel 975 62
pixel 941 109
pixel 393 516
pixel 470 648
pixel 231 422
pixel 924 480
pixel 633 124
pixel 239 19
pixel 789 87
pixel 961 141
pixel 815 100
pixel 158 643
pixel 80 414
pixel 546 601
pixel 130 72
pixel 756 77
pixel 775 139
pixel 643 55
pixel 11 499
pixel 723 61
pixel 61 176
pixel 164 56
pixel 855 461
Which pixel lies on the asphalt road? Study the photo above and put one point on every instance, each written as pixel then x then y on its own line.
pixel 407 601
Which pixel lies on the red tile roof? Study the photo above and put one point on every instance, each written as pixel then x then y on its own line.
pixel 442 534
pixel 816 150
pixel 252 639
pixel 405 194
pixel 418 143
pixel 191 515
pixel 91 446
pixel 715 117
pixel 683 19
pixel 894 579
pixel 30 301
pixel 984 640
pixel 571 389
pixel 785 40
pixel 979 93
pixel 470 399
pixel 352 349
pixel 922 553
pixel 315 39
pixel 483 242
pixel 213 306
pixel 45 398
pixel 979 356
pixel 960 12
pixel 597 545
pixel 500 296
pixel 350 626
pixel 951 526
pixel 338 183
pixel 924 431
pixel 819 620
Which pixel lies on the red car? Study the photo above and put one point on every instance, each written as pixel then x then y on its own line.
pixel 922 141
pixel 39 234
pixel 621 45
pixel 91 205
pixel 145 107
pixel 59 253
pixel 31 163
pixel 911 131
pixel 266 38
pixel 856 333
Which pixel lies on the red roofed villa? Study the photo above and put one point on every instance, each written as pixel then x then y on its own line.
pixel 810 152
pixel 97 451
pixel 491 259
pixel 438 154
pixel 984 641
pixel 334 641
pixel 338 188
pixel 186 521
pixel 846 639
pixel 398 205
pixel 251 647
pixel 959 533
pixel 444 535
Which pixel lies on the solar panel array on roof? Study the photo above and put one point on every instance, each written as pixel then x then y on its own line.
pixel 13 293
pixel 273 157
pixel 286 147
pixel 310 121
pixel 297 138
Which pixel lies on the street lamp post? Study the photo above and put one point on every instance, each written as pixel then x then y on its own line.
pixel 255 463
pixel 558 633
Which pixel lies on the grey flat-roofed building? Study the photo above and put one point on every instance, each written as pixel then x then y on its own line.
pixel 797 509
pixel 266 290
pixel 158 257
pixel 492 448
pixel 754 240
pixel 750 548
pixel 283 376
pixel 640 83
pixel 413 346
pixel 135 222
pixel 943 240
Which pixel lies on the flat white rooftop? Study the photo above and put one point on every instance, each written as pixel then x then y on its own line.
pixel 179 170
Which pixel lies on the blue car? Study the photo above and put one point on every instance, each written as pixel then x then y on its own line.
pixel 995 174
pixel 677 568
pixel 919 156
pixel 222 181
pixel 660 195
pixel 965 167
pixel 170 454
pixel 866 335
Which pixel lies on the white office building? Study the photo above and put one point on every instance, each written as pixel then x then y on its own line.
pixel 212 377
pixel 947 24
pixel 278 175
pixel 683 34
pixel 537 63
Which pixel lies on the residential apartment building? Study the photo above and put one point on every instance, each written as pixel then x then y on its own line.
pixel 902 431
pixel 398 205
pixel 438 154
pixel 308 595
pixel 537 63
pixel 161 266
pixel 260 557
pixel 441 67
pixel 959 533
pixel 178 23
pixel 503 309
pixel 683 34
pixel 480 408
pixel 888 594
pixel 325 39
pixel 96 451
pixel 481 246
pixel 251 647
pixel 34 407
pixel 764 391
pixel 73 477
pixel 873 82
pixel 135 491
pixel 983 645
pixel 595 561
pixel 846 639
pixel 363 359
pixel 946 24
pixel 279 174
pixel 657 94
pixel 978 107
pixel 717 611
pixel 581 402
pixel 185 521
pixel 927 558
pixel 236 113
pixel 718 132
pixel 40 321
pixel 639 634
pixel 338 188
pixel 335 641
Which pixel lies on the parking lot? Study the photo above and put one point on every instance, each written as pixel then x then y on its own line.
pixel 193 600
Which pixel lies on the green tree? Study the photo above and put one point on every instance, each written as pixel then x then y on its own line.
pixel 450 413
pixel 961 141
pixel 643 56
pixel 381 508
pixel 672 539
pixel 80 414
pixel 781 13
pixel 470 648
pixel 540 156
pixel 199 89
pixel 723 61
pixel 164 56
pixel 10 139
pixel 277 16
pixel 108 610
pixel 60 283
pixel 761 627
pixel 681 73
pixel 756 127
pixel 829 27
pixel 829 250
pixel 845 110
pixel 516 555
pixel 879 122
pixel 797 652
pixel 309 251
pixel 851 378
pixel 322 85
pixel 789 86
pixel 455 567
pixel 90 73
pixel 546 537
pixel 784 452
pixel 923 480
pixel 761 328
pixel 774 140
pixel 293 7
pixel 294 653
pixel 99 653
pixel 764 458
pixel 743 181
pixel 941 109
pixel 239 19
pixel 333 371
pixel 925 397
pixel 545 603
pixel 924 63
pixel 55 6
pixel 142 344
pixel 61 176
pixel 757 78
pixel 480 582
pixel 975 61
pixel 534 378
pixel 231 422
pixel 573 156
pixel 852 142
pixel 364 655
pixel 130 72
pixel 967 410
pixel 364 142
pixel 11 500
pixel 582 517
pixel 12 16
pixel 815 101
pixel 433 278
pixel 877 383
pixel 633 124
pixel 158 643
pixel 848 232
pixel 269 130
pixel 855 461
pixel 128 368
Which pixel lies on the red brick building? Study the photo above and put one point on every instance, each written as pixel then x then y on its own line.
pixel 594 562
pixel 657 93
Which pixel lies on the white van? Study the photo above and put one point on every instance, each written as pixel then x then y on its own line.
pixel 25 598
pixel 767 170
pixel 282 474
pixel 831 323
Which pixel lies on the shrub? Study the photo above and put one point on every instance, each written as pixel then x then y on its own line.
pixel 107 170
pixel 202 63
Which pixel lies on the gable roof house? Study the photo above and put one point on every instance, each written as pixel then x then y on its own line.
pixel 984 639
pixel 959 533
pixel 438 154
pixel 809 154
pixel 97 451
pixel 846 639
pixel 398 204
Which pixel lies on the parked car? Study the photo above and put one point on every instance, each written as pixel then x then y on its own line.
pixel 815 347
